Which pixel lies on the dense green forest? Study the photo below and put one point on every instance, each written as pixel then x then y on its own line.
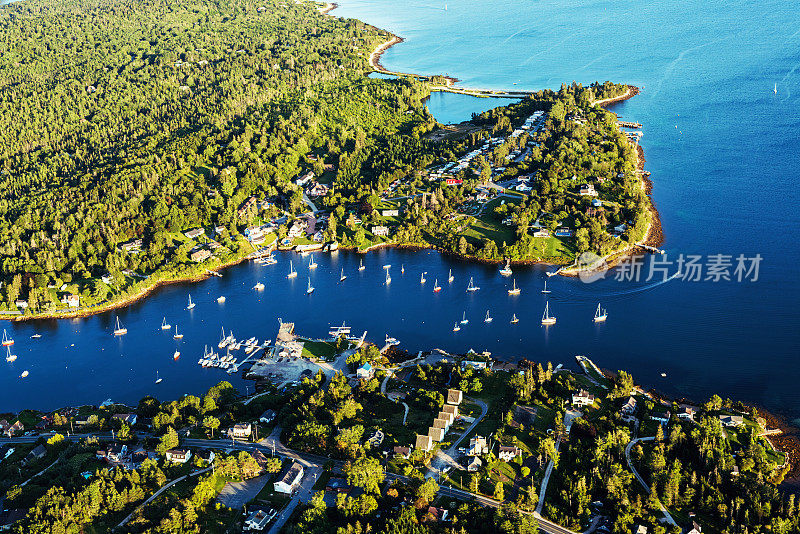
pixel 138 120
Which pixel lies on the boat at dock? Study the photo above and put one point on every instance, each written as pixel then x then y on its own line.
pixel 506 271
pixel 191 304
pixel 310 287
pixel 391 340
pixel 472 287
pixel 514 319
pixel 488 318
pixel 436 286
pixel 545 290
pixel 292 272
pixel 119 330
pixel 165 325
pixel 10 357
pixel 336 331
pixel 343 276
pixel 547 319
pixel 7 341
pixel 177 335
pixel 514 290
pixel 224 340
pixel 600 315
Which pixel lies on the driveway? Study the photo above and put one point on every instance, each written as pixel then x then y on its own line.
pixel 445 458
pixel 569 416
pixel 237 494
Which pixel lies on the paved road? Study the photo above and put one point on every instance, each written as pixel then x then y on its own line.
pixel 628 448
pixel 445 458
pixel 303 494
pixel 569 416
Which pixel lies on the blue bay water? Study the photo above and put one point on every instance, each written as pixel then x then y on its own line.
pixel 721 148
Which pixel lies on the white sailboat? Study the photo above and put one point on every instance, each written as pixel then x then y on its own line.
pixel 545 290
pixel 176 355
pixel 361 265
pixel 464 319
pixel 546 318
pixel 310 287
pixel 24 374
pixel 436 286
pixel 292 272
pixel 158 378
pixel 488 318
pixel 223 340
pixel 311 263
pixel 472 286
pixel 191 304
pixel 165 325
pixel 775 90
pixel 10 357
pixel 600 315
pixel 7 341
pixel 343 277
pixel 506 271
pixel 387 266
pixel 422 278
pixel 388 278
pixel 119 330
pixel 450 276
pixel 456 328
pixel 402 269
pixel 514 319
pixel 177 335
pixel 514 290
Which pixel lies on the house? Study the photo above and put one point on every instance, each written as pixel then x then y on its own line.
pixel 107 279
pixel 376 438
pixel 541 232
pixel 380 231
pixel 113 453
pixel 290 479
pixel 479 365
pixel 563 232
pixel 21 304
pixel 453 181
pixel 390 213
pixel 205 455
pixel 241 430
pixel 71 300
pixel 402 452
pixel 16 428
pixel 297 229
pixel 694 528
pixel 508 453
pixel 219 230
pixel 304 179
pixel 424 443
pixel 194 233
pixel 639 529
pixel 686 413
pixel 318 190
pixel 259 519
pixel 629 408
pixel 435 514
pixel 129 418
pixel 587 190
pixel 178 456
pixel 338 485
pixel 731 420
pixel 483 195
pixel 477 446
pixel 455 396
pixel 451 409
pixel 436 434
pixel 37 453
pixel 365 371
pixel 582 398
pixel 474 464
pixel 268 416
pixel 200 255
pixel 661 415
pixel 318 237
pixel 132 246
pixel 597 203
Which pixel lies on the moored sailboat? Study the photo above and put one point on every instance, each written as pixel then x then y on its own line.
pixel 600 315
pixel 10 357
pixel 464 319
pixel 119 330
pixel 343 276
pixel 514 290
pixel 547 319
pixel 310 287
pixel 514 319
pixel 545 290
pixel 165 325
pixel 450 276
pixel 311 263
pixel 506 271
pixel 436 286
pixel 361 265
pixel 292 272
pixel 488 318
pixel 472 286
pixel 191 304
pixel 7 341
pixel 177 335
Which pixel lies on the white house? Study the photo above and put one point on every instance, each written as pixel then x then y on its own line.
pixel 731 420
pixel 424 442
pixel 258 520
pixel 241 430
pixel 365 371
pixel 380 231
pixel 542 232
pixel 582 398
pixel 629 408
pixel 508 453
pixel 71 300
pixel 290 480
pixel 178 456
pixel 477 446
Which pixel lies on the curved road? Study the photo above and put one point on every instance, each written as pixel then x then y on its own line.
pixel 628 448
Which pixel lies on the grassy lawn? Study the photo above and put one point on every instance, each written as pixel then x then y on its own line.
pixel 487 227
pixel 320 350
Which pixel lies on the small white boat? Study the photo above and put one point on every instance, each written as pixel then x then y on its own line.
pixel 546 318
pixel 10 357
pixel 176 355
pixel 450 276
pixel 514 290
pixel 361 265
pixel 119 330
pixel 391 340
pixel 472 286
pixel 387 266
pixel 292 272
pixel 221 299
pixel 311 263
pixel 775 89
pixel 402 269
pixel 177 335
pixel 158 378
pixel 388 278
pixel 342 277
pixel 7 341
pixel 514 319
pixel 422 278
pixel 24 374
pixel 269 260
pixel 663 375
pixel 36 336
pixel 600 315
pixel 506 271
pixel 456 328
pixel 191 304
pixel 310 287
pixel 165 325
pixel 545 290
pixel 464 319
pixel 488 318
pixel 436 286
pixel 259 287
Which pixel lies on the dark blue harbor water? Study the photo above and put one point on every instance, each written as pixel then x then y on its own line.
pixel 721 147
